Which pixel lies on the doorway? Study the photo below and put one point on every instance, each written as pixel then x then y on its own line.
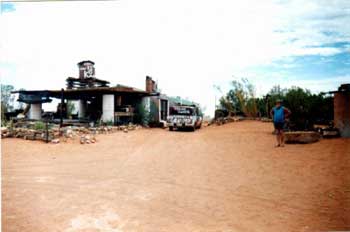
pixel 163 109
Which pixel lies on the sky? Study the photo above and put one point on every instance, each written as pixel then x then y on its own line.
pixel 187 46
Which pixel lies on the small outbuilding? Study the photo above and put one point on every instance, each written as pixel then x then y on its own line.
pixel 342 110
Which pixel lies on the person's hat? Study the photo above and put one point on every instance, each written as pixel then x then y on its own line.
pixel 278 101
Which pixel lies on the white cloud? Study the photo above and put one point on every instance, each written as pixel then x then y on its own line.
pixel 199 43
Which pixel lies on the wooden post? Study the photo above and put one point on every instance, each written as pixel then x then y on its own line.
pixel 267 106
pixel 61 108
pixel 47 130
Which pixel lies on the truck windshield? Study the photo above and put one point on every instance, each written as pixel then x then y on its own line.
pixel 181 111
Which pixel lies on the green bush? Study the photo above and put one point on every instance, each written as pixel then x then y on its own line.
pixel 39 125
pixel 142 116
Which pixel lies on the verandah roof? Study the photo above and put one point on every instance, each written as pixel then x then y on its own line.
pixel 36 96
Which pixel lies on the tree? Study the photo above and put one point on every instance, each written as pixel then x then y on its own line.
pixel 307 108
pixel 7 101
pixel 276 93
pixel 240 99
pixel 298 101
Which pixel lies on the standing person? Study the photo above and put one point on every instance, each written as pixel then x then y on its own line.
pixel 279 115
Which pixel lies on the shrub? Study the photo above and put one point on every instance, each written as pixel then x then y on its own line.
pixel 39 125
pixel 142 116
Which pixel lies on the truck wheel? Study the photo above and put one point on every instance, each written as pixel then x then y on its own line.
pixel 171 128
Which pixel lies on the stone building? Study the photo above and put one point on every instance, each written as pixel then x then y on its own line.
pixel 97 100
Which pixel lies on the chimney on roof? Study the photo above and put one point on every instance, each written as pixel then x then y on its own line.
pixel 86 69
pixel 151 85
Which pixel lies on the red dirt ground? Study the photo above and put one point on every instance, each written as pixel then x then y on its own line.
pixel 220 178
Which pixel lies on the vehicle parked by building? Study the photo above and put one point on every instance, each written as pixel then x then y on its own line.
pixel 184 117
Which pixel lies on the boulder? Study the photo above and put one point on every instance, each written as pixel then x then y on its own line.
pixel 87 139
pixel 39 136
pixel 29 137
pixel 266 120
pixel 55 141
pixel 82 140
pixel 302 137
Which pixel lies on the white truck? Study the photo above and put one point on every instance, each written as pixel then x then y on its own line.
pixel 184 117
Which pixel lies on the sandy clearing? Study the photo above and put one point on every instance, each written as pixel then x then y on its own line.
pixel 227 178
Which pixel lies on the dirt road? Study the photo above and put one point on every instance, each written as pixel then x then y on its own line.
pixel 227 178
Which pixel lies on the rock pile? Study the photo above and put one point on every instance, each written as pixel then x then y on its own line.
pixel 85 135
pixel 29 134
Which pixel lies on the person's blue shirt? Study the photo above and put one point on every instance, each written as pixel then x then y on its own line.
pixel 278 114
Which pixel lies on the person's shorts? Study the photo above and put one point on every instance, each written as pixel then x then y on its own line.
pixel 279 125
